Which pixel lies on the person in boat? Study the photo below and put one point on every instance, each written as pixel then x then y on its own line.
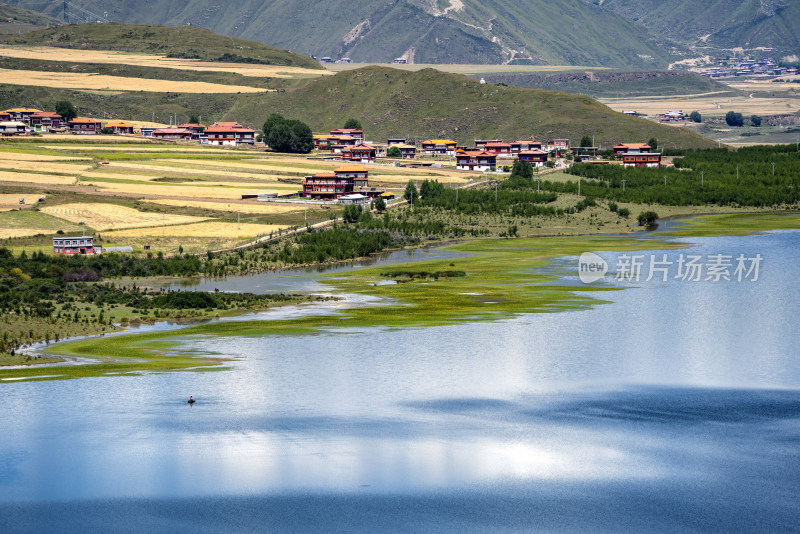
pixel 191 400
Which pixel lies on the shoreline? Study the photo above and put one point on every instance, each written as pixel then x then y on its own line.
pixel 409 305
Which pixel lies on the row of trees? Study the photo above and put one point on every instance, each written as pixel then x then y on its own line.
pixel 735 119
pixel 751 176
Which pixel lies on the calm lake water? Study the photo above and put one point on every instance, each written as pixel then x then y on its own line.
pixel 674 409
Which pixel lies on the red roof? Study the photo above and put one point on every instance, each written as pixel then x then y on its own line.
pixel 498 145
pixel 632 145
pixel 84 120
pixel 228 125
pixel 475 154
pixel 533 153
pixel 191 125
pixel 46 114
pixel 227 129
pixel 325 175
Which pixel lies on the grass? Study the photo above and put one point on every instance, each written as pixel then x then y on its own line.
pixel 737 224
pixel 181 41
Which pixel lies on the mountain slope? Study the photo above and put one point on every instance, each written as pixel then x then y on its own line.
pixel 17 20
pixel 425 31
pixel 182 41
pixel 429 103
pixel 717 23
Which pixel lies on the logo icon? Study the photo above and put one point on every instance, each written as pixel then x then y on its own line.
pixel 591 267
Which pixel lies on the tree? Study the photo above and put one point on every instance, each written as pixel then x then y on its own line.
pixel 734 119
pixel 351 213
pixel 586 141
pixel 653 142
pixel 194 119
pixel 66 110
pixel 647 218
pixel 411 194
pixel 755 120
pixel 380 204
pixel 273 120
pixel 394 152
pixel 352 124
pixel 291 136
pixel 523 169
pixel 695 116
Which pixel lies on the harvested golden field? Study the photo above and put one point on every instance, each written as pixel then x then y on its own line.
pixel 144 60
pixel 80 80
pixel 46 166
pixel 185 191
pixel 193 168
pixel 11 201
pixel 159 149
pixel 255 208
pixel 205 229
pixel 112 216
pixel 6 157
pixel 34 178
pixel 707 105
pixel 7 233
pixel 402 179
pixel 255 164
pixel 119 176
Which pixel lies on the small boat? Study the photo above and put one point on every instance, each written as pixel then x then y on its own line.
pixel 191 400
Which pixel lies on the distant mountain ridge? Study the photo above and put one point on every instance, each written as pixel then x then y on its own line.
pixel 716 23
pixel 424 31
pixel 624 34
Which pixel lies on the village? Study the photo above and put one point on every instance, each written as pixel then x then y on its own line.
pixel 347 184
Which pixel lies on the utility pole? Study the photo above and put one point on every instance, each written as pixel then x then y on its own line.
pixel 665 179
pixel 623 184
pixel 773 168
pixel 702 176
pixel 737 173
pixel 495 190
pixel 538 183
pixel 579 185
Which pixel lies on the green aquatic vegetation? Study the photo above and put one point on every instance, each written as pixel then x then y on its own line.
pixel 502 278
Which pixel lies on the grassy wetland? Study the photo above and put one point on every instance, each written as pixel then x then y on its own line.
pixel 493 280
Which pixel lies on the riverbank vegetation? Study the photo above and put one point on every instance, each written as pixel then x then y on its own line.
pixel 49 298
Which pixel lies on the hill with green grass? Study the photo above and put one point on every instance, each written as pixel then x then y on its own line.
pixel 567 32
pixel 388 102
pixel 429 103
pixel 18 20
pixel 181 42
pixel 717 23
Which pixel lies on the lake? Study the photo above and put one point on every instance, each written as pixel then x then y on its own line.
pixel 675 408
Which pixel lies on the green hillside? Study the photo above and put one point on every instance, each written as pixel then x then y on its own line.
pixel 429 103
pixel 604 84
pixel 426 31
pixel 181 41
pixel 388 102
pixel 18 20
pixel 717 23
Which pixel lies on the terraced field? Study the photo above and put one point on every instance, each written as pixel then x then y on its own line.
pixel 165 195
pixel 147 60
pixel 63 80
